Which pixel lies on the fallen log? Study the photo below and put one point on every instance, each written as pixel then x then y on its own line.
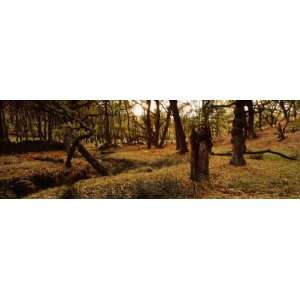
pixel 258 152
pixel 93 162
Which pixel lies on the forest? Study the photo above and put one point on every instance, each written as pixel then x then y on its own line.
pixel 162 149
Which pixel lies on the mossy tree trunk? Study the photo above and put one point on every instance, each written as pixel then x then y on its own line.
pixel 238 134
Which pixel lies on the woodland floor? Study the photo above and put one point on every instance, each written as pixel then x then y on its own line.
pixel 157 173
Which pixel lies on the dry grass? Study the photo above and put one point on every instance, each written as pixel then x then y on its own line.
pixel 259 179
pixel 268 177
pixel 162 173
pixel 37 174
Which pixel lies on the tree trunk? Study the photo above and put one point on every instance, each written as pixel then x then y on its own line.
pixel 39 126
pixel 205 112
pixel 260 115
pixel 201 147
pixel 157 124
pixel 107 122
pixel 166 128
pixel 177 140
pixel 129 139
pixel 93 162
pixel 72 148
pixel 50 125
pixel 281 131
pixel 3 128
pixel 282 125
pixel 18 137
pixel 45 126
pixel 250 128
pixel 238 135
pixel 295 109
pixel 178 127
pixel 148 125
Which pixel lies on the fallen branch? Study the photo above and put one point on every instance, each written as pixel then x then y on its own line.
pixel 271 152
pixel 258 152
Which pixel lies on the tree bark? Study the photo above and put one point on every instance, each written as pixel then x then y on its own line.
pixel 107 122
pixel 282 125
pixel 177 140
pixel 178 127
pixel 129 139
pixel 90 159
pixel 250 128
pixel 50 125
pixel 166 128
pixel 238 135
pixel 3 129
pixel 149 125
pixel 205 112
pixel 93 162
pixel 72 149
pixel 260 110
pixel 201 147
pixel 157 124
pixel 295 109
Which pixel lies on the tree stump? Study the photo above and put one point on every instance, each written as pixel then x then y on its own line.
pixel 201 145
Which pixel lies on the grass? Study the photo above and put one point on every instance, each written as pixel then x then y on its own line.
pixel 270 176
pixel 162 173
pixel 36 174
pixel 259 179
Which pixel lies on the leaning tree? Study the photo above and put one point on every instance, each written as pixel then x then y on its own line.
pixel 180 135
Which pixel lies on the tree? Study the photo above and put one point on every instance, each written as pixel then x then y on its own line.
pixel 149 125
pixel 107 122
pixel 259 109
pixel 250 124
pixel 286 107
pixel 157 124
pixel 180 135
pixel 3 126
pixel 238 134
pixel 201 146
pixel 68 112
pixel 166 128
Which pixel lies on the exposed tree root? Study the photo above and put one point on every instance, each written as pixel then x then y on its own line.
pixel 258 152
